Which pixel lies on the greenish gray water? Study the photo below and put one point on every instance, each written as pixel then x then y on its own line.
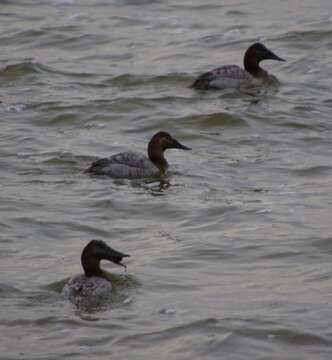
pixel 231 255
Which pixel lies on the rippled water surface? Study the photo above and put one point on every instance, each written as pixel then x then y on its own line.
pixel 231 253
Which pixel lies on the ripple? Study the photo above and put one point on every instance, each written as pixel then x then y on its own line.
pixel 311 171
pixel 300 125
pixel 302 38
pixel 212 336
pixel 16 71
pixel 324 244
pixel 176 332
pixel 8 290
pixel 21 69
pixel 285 336
pixel 126 80
pixel 216 119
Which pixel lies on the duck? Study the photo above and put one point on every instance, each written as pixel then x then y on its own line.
pixel 233 76
pixel 133 165
pixel 93 288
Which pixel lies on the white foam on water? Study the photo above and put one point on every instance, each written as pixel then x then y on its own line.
pixel 16 107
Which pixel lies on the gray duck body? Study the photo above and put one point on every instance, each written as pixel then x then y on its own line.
pixel 134 165
pixel 87 292
pixel 129 165
pixel 228 76
pixel 92 289
pixel 233 76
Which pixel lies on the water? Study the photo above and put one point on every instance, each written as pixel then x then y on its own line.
pixel 231 254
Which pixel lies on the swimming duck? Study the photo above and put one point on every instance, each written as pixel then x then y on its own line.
pixel 92 288
pixel 135 165
pixel 232 76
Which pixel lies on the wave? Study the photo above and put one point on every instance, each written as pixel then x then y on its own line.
pixel 28 67
pixel 212 335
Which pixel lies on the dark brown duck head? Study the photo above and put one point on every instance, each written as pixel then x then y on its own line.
pixel 160 142
pixel 255 54
pixel 94 252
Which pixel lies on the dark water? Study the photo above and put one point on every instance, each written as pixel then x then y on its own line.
pixel 231 255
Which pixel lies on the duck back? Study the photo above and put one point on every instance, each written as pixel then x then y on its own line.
pixel 228 76
pixel 88 292
pixel 125 165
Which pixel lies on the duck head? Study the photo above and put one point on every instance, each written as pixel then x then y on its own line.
pixel 160 142
pixel 94 252
pixel 257 53
pixel 163 140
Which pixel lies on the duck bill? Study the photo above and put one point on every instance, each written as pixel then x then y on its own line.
pixel 178 145
pixel 273 56
pixel 115 256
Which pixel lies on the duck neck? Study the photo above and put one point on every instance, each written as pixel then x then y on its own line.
pixel 91 265
pixel 251 64
pixel 156 155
